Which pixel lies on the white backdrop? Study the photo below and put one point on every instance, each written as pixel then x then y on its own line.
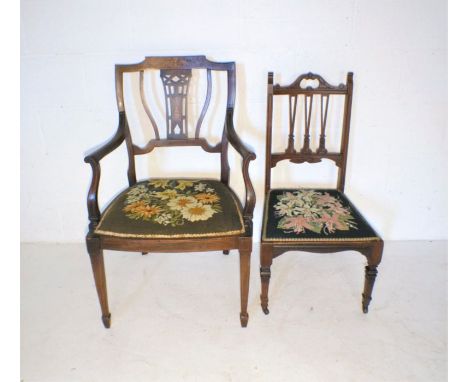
pixel 397 168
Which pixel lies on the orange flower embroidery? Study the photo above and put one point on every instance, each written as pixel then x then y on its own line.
pixel 172 202
pixel 142 209
pixel 207 198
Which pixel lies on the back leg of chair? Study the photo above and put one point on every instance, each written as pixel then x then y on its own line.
pixel 373 260
pixel 266 259
pixel 97 263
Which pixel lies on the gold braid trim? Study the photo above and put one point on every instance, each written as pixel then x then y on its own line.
pixel 187 235
pixel 324 239
pixel 268 239
pixel 154 236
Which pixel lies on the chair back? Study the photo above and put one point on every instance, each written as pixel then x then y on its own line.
pixel 176 74
pixel 324 91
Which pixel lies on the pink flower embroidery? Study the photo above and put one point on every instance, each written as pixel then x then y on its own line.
pixel 297 224
pixel 326 198
pixel 312 210
pixel 333 222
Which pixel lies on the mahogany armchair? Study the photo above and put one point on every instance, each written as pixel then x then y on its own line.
pixel 173 214
pixel 307 219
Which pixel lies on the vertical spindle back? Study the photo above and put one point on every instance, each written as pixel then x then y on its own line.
pixel 296 91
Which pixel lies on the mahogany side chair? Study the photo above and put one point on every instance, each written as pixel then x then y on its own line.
pixel 173 214
pixel 313 219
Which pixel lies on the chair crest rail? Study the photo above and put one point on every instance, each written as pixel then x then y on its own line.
pixel 169 63
pixel 322 87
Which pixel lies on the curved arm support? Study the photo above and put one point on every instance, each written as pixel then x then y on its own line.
pixel 247 156
pixel 94 214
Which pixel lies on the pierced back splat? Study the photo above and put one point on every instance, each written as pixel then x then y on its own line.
pixel 176 83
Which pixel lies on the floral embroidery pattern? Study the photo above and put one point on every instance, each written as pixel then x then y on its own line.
pixel 172 202
pixel 318 212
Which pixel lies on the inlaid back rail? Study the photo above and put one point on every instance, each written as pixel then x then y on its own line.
pixel 324 91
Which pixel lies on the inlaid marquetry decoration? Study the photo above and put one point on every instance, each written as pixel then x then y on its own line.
pixel 176 83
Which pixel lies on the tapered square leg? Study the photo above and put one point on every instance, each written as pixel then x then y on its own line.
pixel 244 256
pixel 97 263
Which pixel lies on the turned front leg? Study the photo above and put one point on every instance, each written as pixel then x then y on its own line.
pixel 370 276
pixel 266 259
pixel 373 259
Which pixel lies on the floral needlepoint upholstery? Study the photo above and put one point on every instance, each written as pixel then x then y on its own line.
pixel 312 215
pixel 171 208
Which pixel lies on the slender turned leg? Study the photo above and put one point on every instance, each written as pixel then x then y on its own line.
pixel 370 276
pixel 226 252
pixel 266 258
pixel 97 263
pixel 373 261
pixel 244 285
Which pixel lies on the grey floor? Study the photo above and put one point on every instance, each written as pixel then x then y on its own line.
pixel 175 317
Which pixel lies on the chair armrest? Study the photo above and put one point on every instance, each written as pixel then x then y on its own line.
pixel 94 214
pixel 110 145
pixel 247 156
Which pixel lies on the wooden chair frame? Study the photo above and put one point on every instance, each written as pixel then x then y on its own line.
pixel 371 249
pixel 97 243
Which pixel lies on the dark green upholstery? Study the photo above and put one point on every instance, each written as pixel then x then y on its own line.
pixel 173 208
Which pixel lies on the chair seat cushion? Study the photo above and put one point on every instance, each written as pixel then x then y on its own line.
pixel 173 208
pixel 312 215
